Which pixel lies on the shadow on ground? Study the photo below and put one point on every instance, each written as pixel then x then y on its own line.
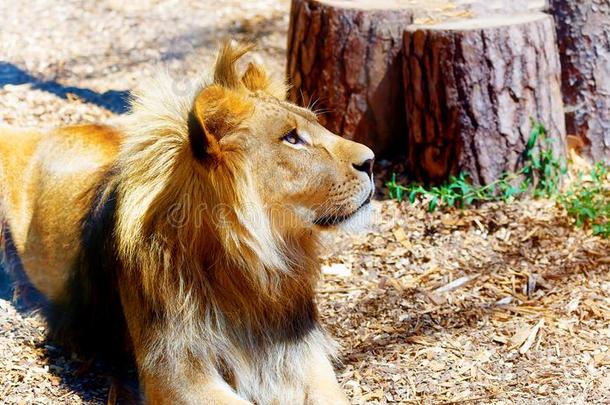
pixel 112 100
pixel 91 381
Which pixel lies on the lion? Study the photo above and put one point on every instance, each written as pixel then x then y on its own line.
pixel 187 239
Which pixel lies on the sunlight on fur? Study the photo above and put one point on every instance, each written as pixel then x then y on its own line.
pixel 197 237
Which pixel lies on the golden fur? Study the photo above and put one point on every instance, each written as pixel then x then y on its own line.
pixel 205 213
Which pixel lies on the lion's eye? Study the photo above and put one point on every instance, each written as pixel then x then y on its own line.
pixel 293 138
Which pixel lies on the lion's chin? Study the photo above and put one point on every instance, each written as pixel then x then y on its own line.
pixel 357 221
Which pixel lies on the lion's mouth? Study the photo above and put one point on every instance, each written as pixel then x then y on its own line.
pixel 331 220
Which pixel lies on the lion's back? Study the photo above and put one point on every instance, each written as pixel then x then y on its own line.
pixel 46 184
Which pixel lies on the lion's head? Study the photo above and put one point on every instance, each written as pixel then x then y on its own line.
pixel 304 174
pixel 233 174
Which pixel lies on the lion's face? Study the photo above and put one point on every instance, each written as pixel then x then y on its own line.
pixel 304 173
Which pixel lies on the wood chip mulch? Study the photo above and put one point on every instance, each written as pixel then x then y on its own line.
pixel 502 304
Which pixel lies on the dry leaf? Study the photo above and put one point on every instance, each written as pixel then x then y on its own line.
pixel 337 269
pixel 437 366
pixel 457 283
pixel 401 237
pixel 519 337
pixel 531 337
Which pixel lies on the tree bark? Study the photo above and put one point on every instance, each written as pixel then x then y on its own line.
pixel 583 31
pixel 344 59
pixel 472 88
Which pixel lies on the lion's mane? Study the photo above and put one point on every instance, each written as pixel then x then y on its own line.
pixel 192 250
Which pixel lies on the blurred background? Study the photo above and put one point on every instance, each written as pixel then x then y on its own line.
pixel 64 62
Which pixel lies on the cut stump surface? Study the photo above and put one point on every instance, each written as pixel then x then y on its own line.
pixel 583 31
pixel 343 58
pixel 472 89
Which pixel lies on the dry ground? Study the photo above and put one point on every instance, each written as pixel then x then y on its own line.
pixel 504 304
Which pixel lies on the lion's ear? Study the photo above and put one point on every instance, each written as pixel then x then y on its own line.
pixel 216 112
pixel 256 79
pixel 225 70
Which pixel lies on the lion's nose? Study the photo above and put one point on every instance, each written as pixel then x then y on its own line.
pixel 366 166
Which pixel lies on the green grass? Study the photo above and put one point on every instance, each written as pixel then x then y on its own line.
pixel 587 199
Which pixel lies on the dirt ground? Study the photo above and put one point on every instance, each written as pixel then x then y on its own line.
pixel 506 304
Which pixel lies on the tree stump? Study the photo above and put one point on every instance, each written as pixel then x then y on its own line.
pixel 344 58
pixel 472 88
pixel 583 33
